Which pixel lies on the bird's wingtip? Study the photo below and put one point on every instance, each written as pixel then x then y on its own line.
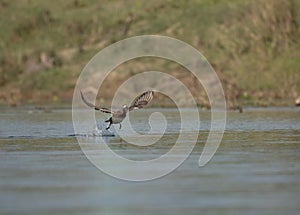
pixel 81 94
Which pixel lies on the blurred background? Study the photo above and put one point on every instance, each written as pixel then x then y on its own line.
pixel 252 44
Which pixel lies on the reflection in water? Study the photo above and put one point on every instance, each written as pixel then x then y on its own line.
pixel 255 170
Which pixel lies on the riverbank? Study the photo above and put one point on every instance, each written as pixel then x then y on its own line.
pixel 253 46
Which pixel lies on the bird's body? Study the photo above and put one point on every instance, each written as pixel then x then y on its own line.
pixel 118 116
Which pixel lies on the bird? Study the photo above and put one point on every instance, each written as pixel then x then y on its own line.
pixel 118 116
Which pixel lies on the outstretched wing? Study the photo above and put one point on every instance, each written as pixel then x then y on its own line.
pixel 141 100
pixel 105 110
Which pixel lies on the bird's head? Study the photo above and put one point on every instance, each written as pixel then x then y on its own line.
pixel 125 107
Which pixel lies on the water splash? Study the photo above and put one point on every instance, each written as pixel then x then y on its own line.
pixel 100 130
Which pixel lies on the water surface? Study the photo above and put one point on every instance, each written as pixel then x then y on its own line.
pixel 255 170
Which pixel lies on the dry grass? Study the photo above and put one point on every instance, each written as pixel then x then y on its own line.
pixel 252 44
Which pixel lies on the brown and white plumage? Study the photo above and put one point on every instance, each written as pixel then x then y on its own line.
pixel 118 116
pixel 105 110
pixel 141 100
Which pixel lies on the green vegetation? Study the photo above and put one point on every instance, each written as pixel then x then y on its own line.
pixel 252 44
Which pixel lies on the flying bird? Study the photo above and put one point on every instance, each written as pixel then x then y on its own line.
pixel 118 116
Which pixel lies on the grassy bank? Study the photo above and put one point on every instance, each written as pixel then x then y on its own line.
pixel 253 45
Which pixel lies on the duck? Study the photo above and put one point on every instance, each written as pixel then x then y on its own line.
pixel 118 116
